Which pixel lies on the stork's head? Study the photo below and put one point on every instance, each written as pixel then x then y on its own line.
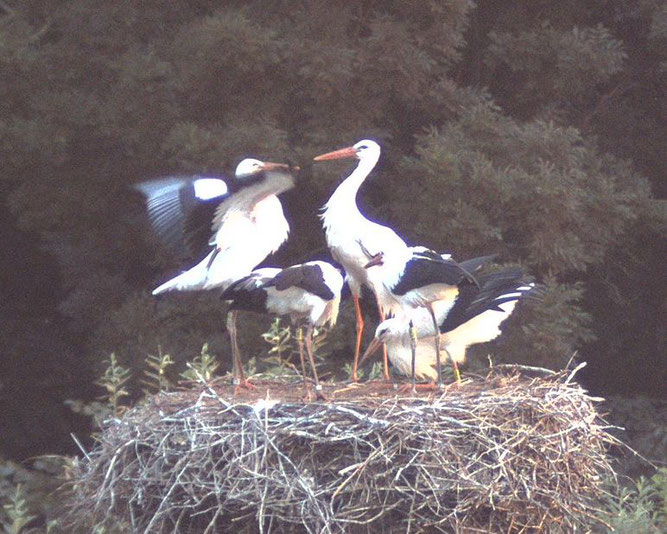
pixel 365 150
pixel 389 331
pixel 250 167
pixel 272 178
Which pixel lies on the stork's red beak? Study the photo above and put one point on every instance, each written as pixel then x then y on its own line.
pixel 270 166
pixel 378 259
pixel 372 349
pixel 349 152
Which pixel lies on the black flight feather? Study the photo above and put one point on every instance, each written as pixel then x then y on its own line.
pixel 474 264
pixel 473 301
pixel 181 220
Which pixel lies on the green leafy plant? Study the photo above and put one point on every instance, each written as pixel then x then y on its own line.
pixel 156 374
pixel 203 366
pixel 113 380
pixel 274 367
pixel 278 363
pixel 640 507
pixel 279 337
pixel 31 494
pixel 17 513
pixel 283 346
pixel 375 372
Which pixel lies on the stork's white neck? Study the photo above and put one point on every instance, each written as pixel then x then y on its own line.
pixel 271 223
pixel 343 202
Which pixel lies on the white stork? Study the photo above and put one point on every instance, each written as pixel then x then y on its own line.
pixel 246 225
pixel 309 293
pixel 354 239
pixel 419 277
pixel 475 317
pixel 358 243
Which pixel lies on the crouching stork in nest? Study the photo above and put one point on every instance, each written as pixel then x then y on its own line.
pixel 309 293
pixel 419 277
pixel 475 317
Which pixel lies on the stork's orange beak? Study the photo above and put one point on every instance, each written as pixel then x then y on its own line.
pixel 372 349
pixel 378 259
pixel 349 152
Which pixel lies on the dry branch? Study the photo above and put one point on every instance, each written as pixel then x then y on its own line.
pixel 503 453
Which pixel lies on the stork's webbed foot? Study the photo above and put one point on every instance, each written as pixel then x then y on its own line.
pixel 242 384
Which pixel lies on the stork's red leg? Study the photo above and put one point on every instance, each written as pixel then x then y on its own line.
pixel 360 331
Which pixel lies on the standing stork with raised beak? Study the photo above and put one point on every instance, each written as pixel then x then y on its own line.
pixel 353 239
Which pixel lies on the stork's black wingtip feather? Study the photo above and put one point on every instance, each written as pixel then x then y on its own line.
pixel 470 277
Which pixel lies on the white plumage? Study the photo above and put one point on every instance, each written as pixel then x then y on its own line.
pixel 353 238
pixel 244 240
pixel 395 333
pixel 308 292
pixel 417 276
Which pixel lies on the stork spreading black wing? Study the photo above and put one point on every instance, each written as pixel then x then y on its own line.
pixel 181 210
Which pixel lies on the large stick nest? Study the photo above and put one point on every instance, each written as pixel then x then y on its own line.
pixel 501 453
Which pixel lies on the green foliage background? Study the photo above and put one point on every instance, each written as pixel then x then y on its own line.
pixel 530 128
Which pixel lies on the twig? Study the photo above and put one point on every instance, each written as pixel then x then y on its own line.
pixel 80 445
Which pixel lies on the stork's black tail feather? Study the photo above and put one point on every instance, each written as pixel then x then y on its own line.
pixel 246 294
pixel 474 264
